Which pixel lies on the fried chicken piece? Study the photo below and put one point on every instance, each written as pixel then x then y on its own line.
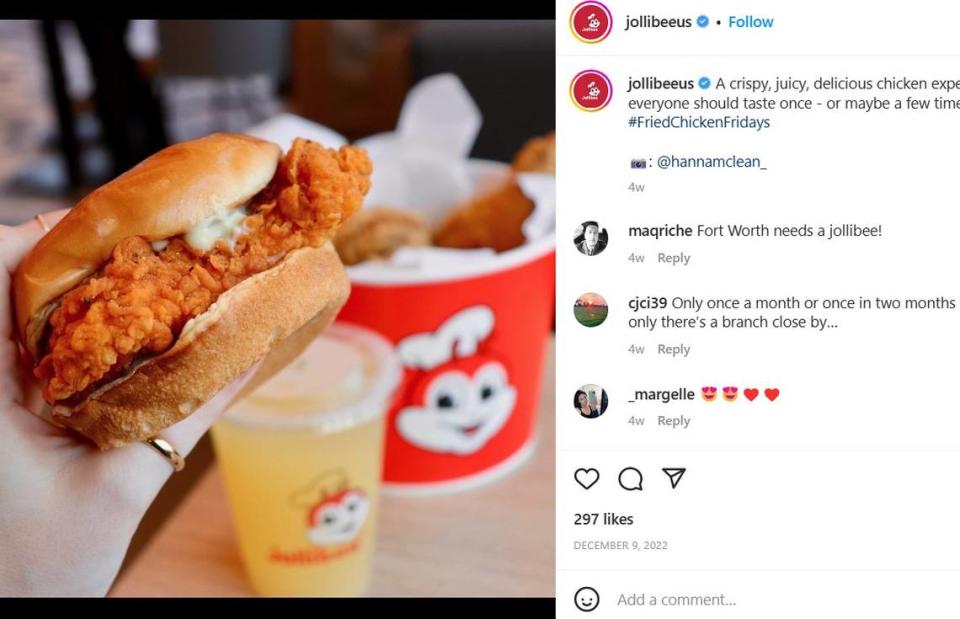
pixel 375 233
pixel 537 155
pixel 140 300
pixel 495 219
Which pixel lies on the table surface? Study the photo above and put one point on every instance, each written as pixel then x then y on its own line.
pixel 497 540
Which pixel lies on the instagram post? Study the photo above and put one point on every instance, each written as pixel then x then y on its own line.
pixel 582 308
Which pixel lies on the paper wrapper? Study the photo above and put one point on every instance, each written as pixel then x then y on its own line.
pixel 471 326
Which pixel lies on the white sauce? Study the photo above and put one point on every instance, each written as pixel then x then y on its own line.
pixel 226 225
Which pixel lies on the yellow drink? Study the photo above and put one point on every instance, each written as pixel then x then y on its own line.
pixel 302 457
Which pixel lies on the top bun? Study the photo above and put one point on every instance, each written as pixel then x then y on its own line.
pixel 162 197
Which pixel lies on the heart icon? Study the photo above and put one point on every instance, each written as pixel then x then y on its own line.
pixel 771 394
pixel 586 477
pixel 751 393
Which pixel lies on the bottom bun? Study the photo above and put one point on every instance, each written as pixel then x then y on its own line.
pixel 277 312
pixel 281 355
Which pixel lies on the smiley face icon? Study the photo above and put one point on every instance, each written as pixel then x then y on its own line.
pixel 586 599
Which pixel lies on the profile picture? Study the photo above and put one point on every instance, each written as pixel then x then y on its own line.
pixel 590 309
pixel 590 238
pixel 590 401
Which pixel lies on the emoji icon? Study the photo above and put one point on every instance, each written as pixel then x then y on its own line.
pixel 709 394
pixel 586 599
pixel 772 394
pixel 751 393
pixel 730 394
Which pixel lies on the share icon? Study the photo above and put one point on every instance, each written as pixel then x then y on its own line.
pixel 675 476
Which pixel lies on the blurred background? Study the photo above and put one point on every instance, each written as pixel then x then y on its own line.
pixel 84 100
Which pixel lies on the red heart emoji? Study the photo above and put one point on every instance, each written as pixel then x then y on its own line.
pixel 771 394
pixel 751 394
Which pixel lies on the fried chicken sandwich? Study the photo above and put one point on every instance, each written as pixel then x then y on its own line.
pixel 164 285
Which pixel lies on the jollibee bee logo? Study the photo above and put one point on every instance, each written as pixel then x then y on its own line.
pixel 591 22
pixel 591 90
pixel 463 396
pixel 335 510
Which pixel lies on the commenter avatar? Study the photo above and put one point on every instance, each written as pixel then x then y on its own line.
pixel 589 238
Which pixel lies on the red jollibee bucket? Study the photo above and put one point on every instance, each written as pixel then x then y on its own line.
pixel 471 335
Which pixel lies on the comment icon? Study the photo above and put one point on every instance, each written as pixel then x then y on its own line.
pixel 631 479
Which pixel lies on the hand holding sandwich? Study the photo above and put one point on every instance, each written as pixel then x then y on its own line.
pixel 139 316
pixel 68 511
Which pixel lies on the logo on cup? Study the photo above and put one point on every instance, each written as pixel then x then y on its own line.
pixel 590 22
pixel 591 90
pixel 335 510
pixel 462 397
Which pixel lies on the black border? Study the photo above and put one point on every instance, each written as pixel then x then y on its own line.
pixel 325 9
pixel 527 608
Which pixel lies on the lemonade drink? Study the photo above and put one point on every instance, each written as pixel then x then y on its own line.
pixel 302 457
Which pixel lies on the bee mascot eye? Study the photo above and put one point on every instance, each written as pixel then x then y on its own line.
pixel 445 401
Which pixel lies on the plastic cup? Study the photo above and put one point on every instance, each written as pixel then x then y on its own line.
pixel 302 457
